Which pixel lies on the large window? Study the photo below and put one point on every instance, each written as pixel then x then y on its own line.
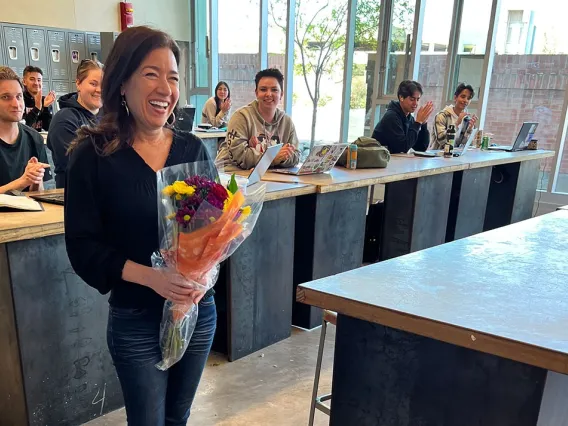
pixel 320 34
pixel 434 52
pixel 239 58
pixel 363 72
pixel 277 25
pixel 527 82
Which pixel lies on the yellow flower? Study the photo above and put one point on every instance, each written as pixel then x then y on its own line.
pixel 178 197
pixel 168 190
pixel 245 212
pixel 228 200
pixel 182 188
pixel 186 218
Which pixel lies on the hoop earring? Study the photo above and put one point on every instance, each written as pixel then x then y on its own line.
pixel 125 106
pixel 173 119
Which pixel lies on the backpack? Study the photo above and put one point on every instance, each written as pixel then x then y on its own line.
pixel 370 154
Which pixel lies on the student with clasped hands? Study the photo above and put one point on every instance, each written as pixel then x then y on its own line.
pixel 398 130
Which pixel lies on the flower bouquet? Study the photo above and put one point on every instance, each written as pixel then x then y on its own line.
pixel 202 222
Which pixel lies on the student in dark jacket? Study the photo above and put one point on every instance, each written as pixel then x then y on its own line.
pixel 75 110
pixel 398 130
pixel 38 110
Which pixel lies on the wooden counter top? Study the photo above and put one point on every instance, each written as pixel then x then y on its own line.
pixel 16 226
pixel 501 292
pixel 403 166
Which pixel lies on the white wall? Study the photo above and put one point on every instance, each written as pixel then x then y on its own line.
pixel 171 16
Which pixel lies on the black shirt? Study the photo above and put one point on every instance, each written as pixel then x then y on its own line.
pixel 111 215
pixel 36 118
pixel 14 157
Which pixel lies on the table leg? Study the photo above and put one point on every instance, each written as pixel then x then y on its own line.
pixel 416 214
pixel 511 193
pixel 470 189
pixel 384 377
pixel 330 234
pixel 259 287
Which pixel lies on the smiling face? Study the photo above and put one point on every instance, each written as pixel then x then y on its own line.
pixel 90 90
pixel 11 101
pixel 410 103
pixel 462 100
pixel 33 81
pixel 152 91
pixel 222 92
pixel 268 94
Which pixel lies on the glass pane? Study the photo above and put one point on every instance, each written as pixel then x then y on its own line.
pixel 527 82
pixel 318 78
pixel 366 35
pixel 434 53
pixel 472 43
pixel 277 24
pixel 398 59
pixel 239 59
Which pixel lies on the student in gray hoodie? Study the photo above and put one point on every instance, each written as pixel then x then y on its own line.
pixel 259 125
pixel 75 110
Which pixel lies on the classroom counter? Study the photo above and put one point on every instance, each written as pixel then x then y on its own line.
pixel 55 363
pixel 466 333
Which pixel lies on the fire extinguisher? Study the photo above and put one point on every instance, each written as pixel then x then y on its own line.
pixel 126 15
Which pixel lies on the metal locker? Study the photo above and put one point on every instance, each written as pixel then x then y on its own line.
pixel 57 53
pixel 94 46
pixel 14 50
pixel 2 56
pixel 45 87
pixel 36 51
pixel 107 41
pixel 77 52
pixel 60 88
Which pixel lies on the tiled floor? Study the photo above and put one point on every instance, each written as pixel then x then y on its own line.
pixel 270 387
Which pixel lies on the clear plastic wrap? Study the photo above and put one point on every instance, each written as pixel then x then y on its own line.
pixel 202 221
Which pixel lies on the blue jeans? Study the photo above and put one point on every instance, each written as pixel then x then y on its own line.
pixel 153 397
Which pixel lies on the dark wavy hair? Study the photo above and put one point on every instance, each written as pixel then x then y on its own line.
pixel 408 88
pixel 270 72
pixel 116 128
pixel 217 100
pixel 463 86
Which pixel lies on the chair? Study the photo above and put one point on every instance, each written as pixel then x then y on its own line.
pixel 318 401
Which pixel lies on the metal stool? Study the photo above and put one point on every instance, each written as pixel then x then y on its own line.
pixel 317 401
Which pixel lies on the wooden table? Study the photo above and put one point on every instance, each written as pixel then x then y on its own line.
pixel 428 201
pixel 467 333
pixel 211 141
pixel 55 364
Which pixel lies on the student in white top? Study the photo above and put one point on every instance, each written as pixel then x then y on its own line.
pixel 216 109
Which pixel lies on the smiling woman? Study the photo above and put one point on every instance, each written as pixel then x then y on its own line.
pixel 111 223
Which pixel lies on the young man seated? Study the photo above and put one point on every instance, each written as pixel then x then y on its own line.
pixel 259 125
pixel 23 160
pixel 398 130
pixel 38 111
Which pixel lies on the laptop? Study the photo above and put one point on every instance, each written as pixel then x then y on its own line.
pixel 321 159
pixel 186 118
pixel 263 164
pixel 462 150
pixel 523 138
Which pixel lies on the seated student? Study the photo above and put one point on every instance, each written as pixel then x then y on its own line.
pixel 75 110
pixel 38 108
pixel 398 130
pixel 259 125
pixel 217 108
pixel 453 115
pixel 23 160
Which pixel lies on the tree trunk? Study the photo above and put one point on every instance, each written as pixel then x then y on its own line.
pixel 314 117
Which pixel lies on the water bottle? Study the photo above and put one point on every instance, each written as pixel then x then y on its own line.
pixel 450 140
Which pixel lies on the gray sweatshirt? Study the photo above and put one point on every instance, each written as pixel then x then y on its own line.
pixel 208 115
pixel 247 122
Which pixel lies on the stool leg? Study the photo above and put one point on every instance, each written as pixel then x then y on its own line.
pixel 317 375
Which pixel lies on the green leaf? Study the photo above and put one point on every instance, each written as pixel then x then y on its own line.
pixel 233 187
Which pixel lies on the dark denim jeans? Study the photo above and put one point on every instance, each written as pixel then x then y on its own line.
pixel 153 397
